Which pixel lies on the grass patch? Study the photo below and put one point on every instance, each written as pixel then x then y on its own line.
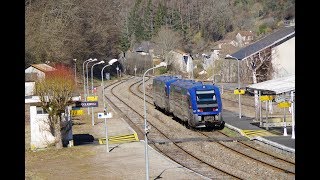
pixel 229 132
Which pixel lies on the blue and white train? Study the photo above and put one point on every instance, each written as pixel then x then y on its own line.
pixel 195 104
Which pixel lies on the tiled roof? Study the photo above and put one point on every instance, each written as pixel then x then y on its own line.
pixel 43 67
pixel 274 38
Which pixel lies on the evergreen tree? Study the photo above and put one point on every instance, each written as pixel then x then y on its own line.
pixel 148 21
pixel 159 18
pixel 124 42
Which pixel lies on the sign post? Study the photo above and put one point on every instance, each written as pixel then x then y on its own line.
pixel 86 104
pixel 266 99
pixel 92 98
pixel 239 92
pixel 105 115
pixel 77 112
pixel 284 105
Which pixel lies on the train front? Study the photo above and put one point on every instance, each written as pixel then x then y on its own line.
pixel 206 106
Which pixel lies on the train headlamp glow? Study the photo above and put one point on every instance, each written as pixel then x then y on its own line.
pixel 204 86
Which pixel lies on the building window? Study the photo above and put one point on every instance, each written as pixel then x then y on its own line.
pixel 40 110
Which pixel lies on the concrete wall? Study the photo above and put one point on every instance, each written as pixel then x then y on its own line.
pixel 283 59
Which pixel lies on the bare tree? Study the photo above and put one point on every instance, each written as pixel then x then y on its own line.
pixel 255 64
pixel 55 92
pixel 166 40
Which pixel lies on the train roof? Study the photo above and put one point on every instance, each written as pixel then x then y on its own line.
pixel 186 83
pixel 166 78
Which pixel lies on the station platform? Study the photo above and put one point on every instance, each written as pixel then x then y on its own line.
pixel 246 126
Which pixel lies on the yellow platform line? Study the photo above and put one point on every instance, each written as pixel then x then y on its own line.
pixel 120 139
pixel 252 133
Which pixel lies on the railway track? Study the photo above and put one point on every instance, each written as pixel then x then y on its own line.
pixel 173 151
pixel 172 147
pixel 255 154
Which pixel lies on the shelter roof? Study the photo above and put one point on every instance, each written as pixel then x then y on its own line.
pixel 278 86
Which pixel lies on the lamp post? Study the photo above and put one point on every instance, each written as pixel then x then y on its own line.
pixel 104 106
pixel 145 118
pixel 84 78
pixel 75 70
pixel 92 88
pixel 238 61
pixel 87 86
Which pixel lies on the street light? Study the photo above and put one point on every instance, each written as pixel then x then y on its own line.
pixel 75 70
pixel 87 86
pixel 231 57
pixel 95 59
pixel 92 87
pixel 84 78
pixel 145 118
pixel 104 106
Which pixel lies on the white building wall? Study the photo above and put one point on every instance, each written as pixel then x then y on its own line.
pixel 29 88
pixel 31 69
pixel 189 66
pixel 41 136
pixel 40 129
pixel 283 59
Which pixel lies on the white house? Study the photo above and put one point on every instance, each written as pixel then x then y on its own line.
pixel 41 136
pixel 180 60
pixel 282 45
pixel 283 58
pixel 39 69
pixel 209 59
pixel 244 38
pixel 32 73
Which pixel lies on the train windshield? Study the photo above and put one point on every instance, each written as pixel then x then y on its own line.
pixel 206 100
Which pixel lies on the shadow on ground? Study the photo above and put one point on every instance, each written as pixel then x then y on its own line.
pixel 80 139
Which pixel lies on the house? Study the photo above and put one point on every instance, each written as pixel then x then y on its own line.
pixel 282 45
pixel 225 42
pixel 33 73
pixel 143 48
pixel 244 38
pixel 181 60
pixel 39 69
pixel 208 59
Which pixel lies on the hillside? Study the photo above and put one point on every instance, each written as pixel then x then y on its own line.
pixel 60 30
